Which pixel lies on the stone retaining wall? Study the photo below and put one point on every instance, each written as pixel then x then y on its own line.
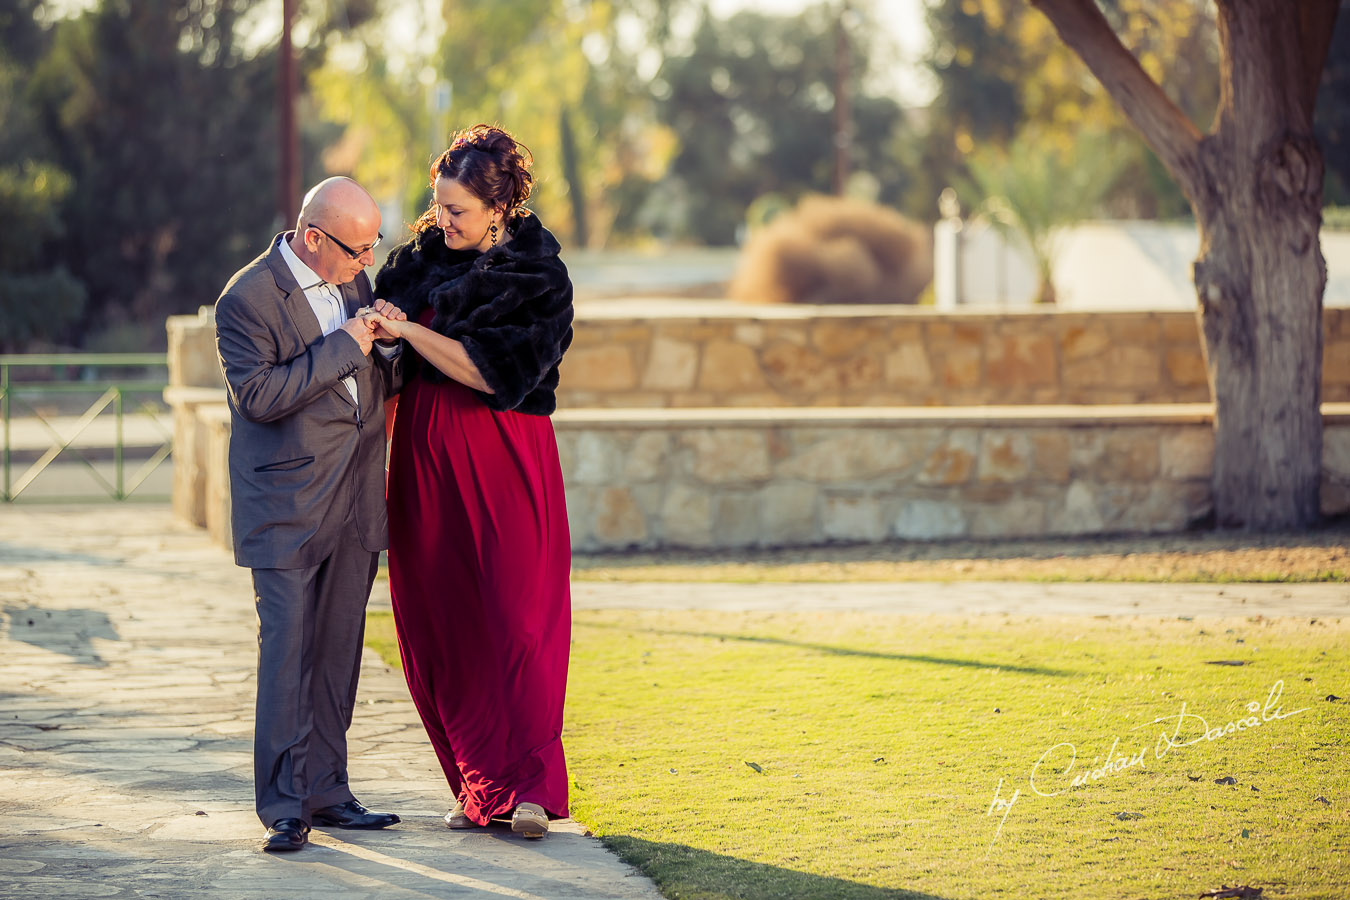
pixel 741 478
pixel 760 478
pixel 688 424
pixel 705 354
pixel 645 353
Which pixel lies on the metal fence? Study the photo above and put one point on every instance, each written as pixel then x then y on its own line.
pixel 57 446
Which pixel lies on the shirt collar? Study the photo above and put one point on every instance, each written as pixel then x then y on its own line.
pixel 304 276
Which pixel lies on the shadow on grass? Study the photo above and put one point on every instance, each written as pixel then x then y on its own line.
pixel 833 650
pixel 690 874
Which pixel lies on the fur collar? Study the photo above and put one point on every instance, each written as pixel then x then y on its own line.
pixel 511 307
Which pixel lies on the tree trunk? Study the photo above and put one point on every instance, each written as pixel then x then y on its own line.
pixel 1261 323
pixel 1260 275
pixel 576 188
pixel 1255 184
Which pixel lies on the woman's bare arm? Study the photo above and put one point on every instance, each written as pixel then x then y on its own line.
pixel 446 354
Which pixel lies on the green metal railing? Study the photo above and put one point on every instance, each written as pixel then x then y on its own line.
pixel 18 404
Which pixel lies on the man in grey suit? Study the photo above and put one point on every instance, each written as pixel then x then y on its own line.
pixel 307 455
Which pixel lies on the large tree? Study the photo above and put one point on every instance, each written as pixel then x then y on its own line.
pixel 1254 182
pixel 1000 69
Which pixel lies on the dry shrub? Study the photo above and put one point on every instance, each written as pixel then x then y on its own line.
pixel 835 250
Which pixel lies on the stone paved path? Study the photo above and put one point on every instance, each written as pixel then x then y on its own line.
pixel 126 700
pixel 126 696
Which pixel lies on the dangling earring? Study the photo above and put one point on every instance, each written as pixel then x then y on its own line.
pixel 494 235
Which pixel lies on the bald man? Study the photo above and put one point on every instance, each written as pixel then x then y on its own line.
pixel 306 396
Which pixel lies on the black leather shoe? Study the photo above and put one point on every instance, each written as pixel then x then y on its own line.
pixel 286 834
pixel 353 815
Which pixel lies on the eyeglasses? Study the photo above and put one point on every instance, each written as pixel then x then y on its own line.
pixel 354 254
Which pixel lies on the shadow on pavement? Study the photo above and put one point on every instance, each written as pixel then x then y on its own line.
pixel 20 554
pixel 420 857
pixel 68 631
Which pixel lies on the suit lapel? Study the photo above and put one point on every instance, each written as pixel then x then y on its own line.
pixel 351 302
pixel 296 305
pixel 298 309
pixel 351 295
pixel 341 388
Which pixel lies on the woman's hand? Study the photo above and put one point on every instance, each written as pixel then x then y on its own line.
pixel 386 318
pixel 388 322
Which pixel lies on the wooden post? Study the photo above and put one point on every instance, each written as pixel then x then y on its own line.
pixel 289 187
pixel 843 112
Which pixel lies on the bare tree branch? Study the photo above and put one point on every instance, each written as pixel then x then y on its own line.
pixel 1163 125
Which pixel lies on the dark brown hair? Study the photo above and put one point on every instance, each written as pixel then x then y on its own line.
pixel 491 164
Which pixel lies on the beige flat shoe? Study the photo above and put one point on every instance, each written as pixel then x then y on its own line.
pixel 456 818
pixel 529 820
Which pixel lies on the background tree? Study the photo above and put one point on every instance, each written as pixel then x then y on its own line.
pixel 39 298
pixel 1254 182
pixel 555 73
pixel 979 67
pixel 167 129
pixel 1033 190
pixel 1332 121
pixel 751 101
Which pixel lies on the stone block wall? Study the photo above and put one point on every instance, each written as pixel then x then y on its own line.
pixel 713 354
pixel 216 505
pixel 190 448
pixel 192 351
pixel 763 478
pixel 847 425
pixel 647 354
pixel 715 478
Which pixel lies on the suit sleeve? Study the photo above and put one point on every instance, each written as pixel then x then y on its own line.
pixel 264 387
pixel 388 360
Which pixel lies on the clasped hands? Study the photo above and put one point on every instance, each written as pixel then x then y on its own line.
pixel 375 323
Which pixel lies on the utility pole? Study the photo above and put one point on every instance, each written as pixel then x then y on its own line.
pixel 289 187
pixel 843 107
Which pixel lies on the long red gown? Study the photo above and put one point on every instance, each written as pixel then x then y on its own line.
pixel 479 559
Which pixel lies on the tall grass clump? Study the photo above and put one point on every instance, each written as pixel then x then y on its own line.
pixel 835 250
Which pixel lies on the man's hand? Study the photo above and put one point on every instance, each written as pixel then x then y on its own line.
pixel 360 328
pixel 385 316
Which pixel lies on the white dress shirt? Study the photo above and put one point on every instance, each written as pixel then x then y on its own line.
pixel 326 301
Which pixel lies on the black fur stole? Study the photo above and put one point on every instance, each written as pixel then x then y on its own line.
pixel 510 307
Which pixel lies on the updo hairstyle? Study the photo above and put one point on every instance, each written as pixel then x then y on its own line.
pixel 491 164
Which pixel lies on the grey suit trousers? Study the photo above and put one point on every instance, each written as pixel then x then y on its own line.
pixel 311 626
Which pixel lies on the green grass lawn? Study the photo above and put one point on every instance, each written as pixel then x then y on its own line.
pixel 829 755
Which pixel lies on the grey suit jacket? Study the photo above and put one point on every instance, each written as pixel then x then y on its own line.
pixel 301 454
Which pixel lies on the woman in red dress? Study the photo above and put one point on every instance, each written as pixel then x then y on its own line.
pixel 479 551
